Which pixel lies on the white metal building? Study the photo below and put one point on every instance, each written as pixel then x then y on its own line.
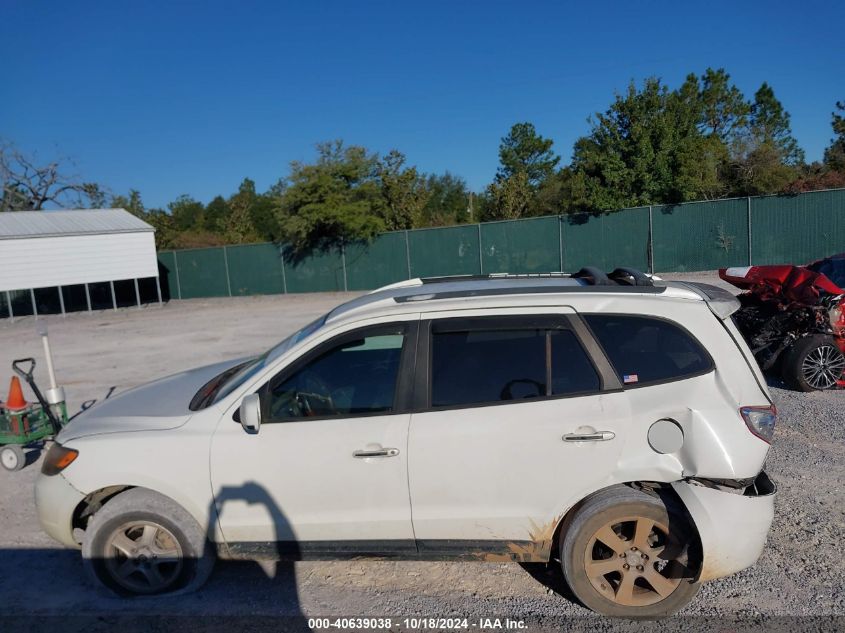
pixel 56 249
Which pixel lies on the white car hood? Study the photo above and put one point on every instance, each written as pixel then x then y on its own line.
pixel 155 406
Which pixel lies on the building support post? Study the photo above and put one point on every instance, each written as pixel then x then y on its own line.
pixel 137 293
pixel 88 297
pixel 9 303
pixel 34 307
pixel 61 301
pixel 113 297
pixel 158 289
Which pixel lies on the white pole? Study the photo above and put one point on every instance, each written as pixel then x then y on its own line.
pixel 41 328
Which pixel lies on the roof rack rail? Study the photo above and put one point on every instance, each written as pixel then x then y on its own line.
pixel 589 275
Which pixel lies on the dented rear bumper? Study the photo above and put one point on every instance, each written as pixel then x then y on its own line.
pixel 732 524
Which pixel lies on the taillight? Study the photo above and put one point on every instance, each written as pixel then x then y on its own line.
pixel 760 421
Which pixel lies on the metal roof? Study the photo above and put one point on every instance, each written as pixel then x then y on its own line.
pixel 28 224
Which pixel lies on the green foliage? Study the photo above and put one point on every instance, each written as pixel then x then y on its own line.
pixel 834 156
pixel 510 198
pixel 334 201
pixel 404 192
pixel 525 151
pixel 447 201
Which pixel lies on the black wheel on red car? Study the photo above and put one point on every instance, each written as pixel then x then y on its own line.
pixel 813 363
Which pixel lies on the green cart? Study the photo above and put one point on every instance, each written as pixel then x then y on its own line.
pixel 31 425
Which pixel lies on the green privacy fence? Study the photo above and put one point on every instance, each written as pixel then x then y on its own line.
pixel 660 238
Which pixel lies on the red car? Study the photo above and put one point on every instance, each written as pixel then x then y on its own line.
pixel 793 318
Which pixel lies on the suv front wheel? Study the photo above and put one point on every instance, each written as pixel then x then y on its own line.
pixel 142 543
pixel 627 554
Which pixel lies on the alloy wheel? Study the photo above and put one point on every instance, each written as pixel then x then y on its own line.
pixel 626 562
pixel 143 557
pixel 823 366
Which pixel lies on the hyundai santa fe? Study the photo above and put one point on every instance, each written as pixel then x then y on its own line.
pixel 616 424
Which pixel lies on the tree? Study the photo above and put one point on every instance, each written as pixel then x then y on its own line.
pixel 523 150
pixel 131 203
pixel 403 190
pixel 26 185
pixel 769 125
pixel 187 213
pixel 646 148
pixel 724 109
pixel 767 158
pixel 447 200
pixel 834 156
pixel 216 213
pixel 509 198
pixel 335 201
pixel 239 225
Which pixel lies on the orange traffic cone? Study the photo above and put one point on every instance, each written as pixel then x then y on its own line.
pixel 16 401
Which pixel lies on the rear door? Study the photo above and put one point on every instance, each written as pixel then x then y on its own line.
pixel 515 417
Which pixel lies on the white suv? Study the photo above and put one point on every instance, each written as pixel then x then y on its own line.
pixel 617 424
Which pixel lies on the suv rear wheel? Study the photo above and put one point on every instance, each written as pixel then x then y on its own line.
pixel 813 363
pixel 627 554
pixel 142 543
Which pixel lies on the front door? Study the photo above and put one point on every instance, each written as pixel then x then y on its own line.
pixel 327 471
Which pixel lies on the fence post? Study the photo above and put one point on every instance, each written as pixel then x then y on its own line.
pixel 560 240
pixel 408 252
pixel 480 252
pixel 343 263
pixel 178 282
pixel 650 241
pixel 748 213
pixel 284 275
pixel 226 266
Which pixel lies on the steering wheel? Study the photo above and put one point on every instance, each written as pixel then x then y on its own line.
pixel 313 396
pixel 506 393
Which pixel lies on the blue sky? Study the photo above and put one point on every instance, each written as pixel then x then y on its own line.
pixel 190 97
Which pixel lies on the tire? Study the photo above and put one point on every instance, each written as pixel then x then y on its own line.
pixel 813 363
pixel 12 457
pixel 661 564
pixel 142 543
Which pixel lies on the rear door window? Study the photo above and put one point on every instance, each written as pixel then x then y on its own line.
pixel 478 365
pixel 647 350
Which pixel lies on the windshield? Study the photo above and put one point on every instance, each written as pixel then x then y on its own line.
pixel 225 383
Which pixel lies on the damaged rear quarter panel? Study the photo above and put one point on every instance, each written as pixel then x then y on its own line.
pixel 732 525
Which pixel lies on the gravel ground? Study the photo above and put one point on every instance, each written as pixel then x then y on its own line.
pixel 799 579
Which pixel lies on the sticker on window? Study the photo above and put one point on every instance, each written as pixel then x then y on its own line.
pixel 630 378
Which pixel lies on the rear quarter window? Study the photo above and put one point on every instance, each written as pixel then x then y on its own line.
pixel 647 350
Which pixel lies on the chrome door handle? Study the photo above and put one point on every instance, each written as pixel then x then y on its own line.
pixel 378 452
pixel 598 436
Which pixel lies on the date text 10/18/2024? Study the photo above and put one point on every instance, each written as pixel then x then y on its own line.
pixel 418 623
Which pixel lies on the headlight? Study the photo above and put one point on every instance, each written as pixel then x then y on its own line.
pixel 760 421
pixel 57 459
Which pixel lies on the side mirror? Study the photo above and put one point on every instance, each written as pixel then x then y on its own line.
pixel 250 413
